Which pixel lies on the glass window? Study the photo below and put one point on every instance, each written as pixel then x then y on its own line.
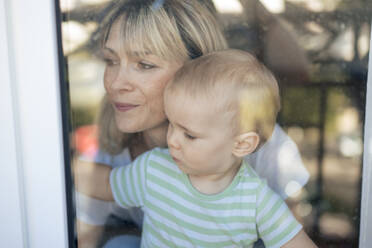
pixel 318 52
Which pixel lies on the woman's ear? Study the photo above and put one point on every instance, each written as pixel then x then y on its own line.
pixel 245 144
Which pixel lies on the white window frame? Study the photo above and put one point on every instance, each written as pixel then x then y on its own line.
pixel 32 181
pixel 32 185
pixel 365 237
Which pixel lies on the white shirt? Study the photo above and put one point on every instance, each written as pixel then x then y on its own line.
pixel 279 162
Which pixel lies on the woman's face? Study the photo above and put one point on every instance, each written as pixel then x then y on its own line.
pixel 135 85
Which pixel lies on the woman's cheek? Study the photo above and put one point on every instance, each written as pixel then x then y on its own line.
pixel 108 78
pixel 106 81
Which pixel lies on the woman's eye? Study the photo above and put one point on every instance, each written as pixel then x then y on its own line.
pixel 110 62
pixel 188 136
pixel 145 66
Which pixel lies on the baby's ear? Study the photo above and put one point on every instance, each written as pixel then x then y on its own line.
pixel 245 144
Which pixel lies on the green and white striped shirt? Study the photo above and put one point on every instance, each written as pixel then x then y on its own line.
pixel 177 215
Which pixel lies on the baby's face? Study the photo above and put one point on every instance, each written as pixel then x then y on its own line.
pixel 200 139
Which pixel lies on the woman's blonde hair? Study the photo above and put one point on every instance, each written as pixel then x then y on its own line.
pixel 236 84
pixel 174 30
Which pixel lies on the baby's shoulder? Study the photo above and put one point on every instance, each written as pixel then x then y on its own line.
pixel 159 152
pixel 160 159
pixel 253 182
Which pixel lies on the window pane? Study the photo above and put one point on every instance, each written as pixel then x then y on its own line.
pixel 317 50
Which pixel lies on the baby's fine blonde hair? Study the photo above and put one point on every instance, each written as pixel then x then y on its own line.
pixel 233 81
pixel 174 30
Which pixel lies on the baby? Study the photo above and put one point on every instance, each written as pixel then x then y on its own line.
pixel 199 192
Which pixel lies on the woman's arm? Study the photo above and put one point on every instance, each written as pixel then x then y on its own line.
pixel 280 42
pixel 88 236
pixel 300 240
pixel 93 179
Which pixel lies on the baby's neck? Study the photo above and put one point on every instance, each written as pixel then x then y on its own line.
pixel 215 183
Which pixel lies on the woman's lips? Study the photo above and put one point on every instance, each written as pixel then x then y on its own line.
pixel 123 107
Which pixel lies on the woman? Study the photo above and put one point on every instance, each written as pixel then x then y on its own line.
pixel 144 42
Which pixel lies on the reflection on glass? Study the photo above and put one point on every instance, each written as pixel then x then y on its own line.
pixel 317 50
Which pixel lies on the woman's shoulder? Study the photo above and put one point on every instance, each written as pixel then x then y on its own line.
pixel 280 142
pixel 113 160
pixel 279 137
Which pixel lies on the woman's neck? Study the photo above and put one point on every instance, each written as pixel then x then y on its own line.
pixel 149 139
pixel 156 137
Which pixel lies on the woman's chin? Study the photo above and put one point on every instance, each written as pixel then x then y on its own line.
pixel 125 128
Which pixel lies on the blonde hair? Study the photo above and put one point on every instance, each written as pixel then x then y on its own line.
pixel 235 81
pixel 174 30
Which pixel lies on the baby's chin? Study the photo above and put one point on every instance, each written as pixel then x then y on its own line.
pixel 180 166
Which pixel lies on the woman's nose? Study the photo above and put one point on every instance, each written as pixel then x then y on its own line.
pixel 123 80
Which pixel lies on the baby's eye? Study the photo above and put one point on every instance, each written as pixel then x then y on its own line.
pixel 188 136
pixel 145 65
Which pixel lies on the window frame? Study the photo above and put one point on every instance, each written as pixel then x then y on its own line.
pixel 365 237
pixel 34 154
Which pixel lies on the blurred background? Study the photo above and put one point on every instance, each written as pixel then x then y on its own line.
pixel 317 49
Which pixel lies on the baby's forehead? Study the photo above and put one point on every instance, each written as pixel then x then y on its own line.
pixel 199 102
